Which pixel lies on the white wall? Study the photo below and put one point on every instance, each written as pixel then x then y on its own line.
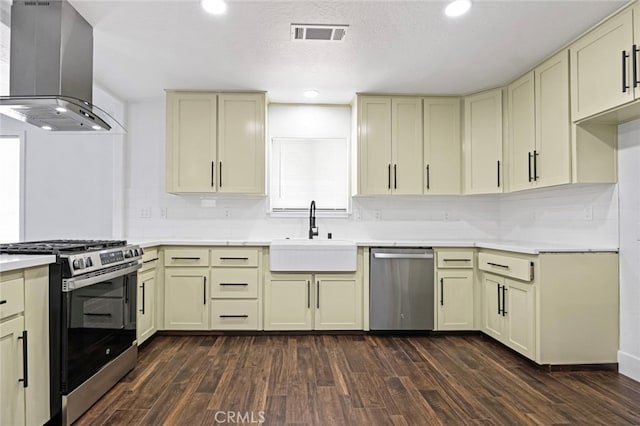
pixel 71 181
pixel 239 217
pixel 629 183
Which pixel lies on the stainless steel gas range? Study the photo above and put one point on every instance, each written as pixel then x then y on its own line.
pixel 92 319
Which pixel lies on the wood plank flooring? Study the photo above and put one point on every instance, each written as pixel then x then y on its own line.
pixel 356 380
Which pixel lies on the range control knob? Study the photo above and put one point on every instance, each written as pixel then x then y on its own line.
pixel 88 262
pixel 128 254
pixel 78 264
pixel 135 252
pixel 141 251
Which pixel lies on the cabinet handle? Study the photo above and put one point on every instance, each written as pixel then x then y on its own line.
pixel 308 294
pixel 235 284
pixel 456 260
pixel 389 177
pixel 142 310
pixel 97 314
pixel 635 65
pixel 441 291
pixel 530 157
pixel 428 178
pixel 2 302
pixel 499 310
pixel 204 290
pixel 220 171
pixel 213 173
pixel 318 294
pixel 153 260
pixel 395 176
pixel 625 86
pixel 234 316
pixel 497 265
pixel 535 165
pixel 234 258
pixel 185 258
pixel 498 173
pixel 25 360
pixel 504 301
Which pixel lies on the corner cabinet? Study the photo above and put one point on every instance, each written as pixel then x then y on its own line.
pixel 482 147
pixel 215 142
pixel 390 145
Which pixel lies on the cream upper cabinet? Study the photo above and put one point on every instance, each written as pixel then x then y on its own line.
pixel 442 146
pixel 215 142
pixel 522 132
pixel 601 67
pixel 241 143
pixel 191 142
pixel 338 302
pixel 390 145
pixel 483 142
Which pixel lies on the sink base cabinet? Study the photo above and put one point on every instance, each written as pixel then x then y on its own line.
pixel 287 302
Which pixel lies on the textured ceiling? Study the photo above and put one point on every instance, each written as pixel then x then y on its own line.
pixel 143 47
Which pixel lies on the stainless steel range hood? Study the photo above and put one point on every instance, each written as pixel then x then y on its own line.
pixel 51 69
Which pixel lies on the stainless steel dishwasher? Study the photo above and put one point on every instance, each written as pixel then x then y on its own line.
pixel 401 289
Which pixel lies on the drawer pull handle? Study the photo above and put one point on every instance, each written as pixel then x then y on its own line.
pixel 2 302
pixel 96 315
pixel 204 290
pixel 234 316
pixel 185 258
pixel 504 301
pixel 153 260
pixel 235 284
pixel 25 359
pixel 457 260
pixel 497 265
pixel 234 258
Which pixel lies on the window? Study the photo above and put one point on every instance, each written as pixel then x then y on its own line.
pixel 305 169
pixel 10 189
pixel 309 157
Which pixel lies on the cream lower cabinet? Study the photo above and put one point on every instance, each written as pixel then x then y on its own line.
pixel 455 289
pixel 186 299
pixel 24 331
pixel 146 321
pixel 318 302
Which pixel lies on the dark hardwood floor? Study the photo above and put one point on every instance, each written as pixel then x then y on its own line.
pixel 356 380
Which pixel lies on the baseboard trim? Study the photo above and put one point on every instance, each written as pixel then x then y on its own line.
pixel 629 365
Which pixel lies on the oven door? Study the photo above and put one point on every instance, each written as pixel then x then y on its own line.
pixel 99 314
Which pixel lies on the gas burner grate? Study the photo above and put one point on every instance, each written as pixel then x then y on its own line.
pixel 59 246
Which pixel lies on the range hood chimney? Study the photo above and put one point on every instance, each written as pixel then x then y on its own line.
pixel 51 69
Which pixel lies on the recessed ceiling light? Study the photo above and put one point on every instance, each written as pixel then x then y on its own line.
pixel 47 127
pixel 457 8
pixel 60 109
pixel 311 93
pixel 96 127
pixel 214 7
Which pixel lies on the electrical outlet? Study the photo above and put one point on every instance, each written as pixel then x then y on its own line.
pixel 227 213
pixel 145 213
pixel 447 215
pixel 378 215
pixel 163 212
pixel 587 213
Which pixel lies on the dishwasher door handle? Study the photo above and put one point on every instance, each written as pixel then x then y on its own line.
pixel 403 256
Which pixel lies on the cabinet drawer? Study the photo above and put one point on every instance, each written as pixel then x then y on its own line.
pixel 234 314
pixel 235 283
pixel 455 259
pixel 237 257
pixel 11 297
pixel 508 266
pixel 186 257
pixel 149 259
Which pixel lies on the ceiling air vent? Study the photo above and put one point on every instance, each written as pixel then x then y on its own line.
pixel 313 32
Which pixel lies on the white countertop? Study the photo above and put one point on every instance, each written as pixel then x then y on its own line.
pixel 506 245
pixel 11 262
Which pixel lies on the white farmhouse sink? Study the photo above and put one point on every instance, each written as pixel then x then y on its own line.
pixel 302 255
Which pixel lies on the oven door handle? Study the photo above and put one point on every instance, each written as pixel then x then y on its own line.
pixel 75 283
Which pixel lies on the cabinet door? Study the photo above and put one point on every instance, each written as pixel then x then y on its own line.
pixel 241 143
pixel 442 146
pixel 374 147
pixel 597 68
pixel 522 132
pixel 12 410
pixel 493 320
pixel 288 303
pixel 483 143
pixel 520 313
pixel 455 300
pixel 186 296
pixel 338 302
pixel 146 318
pixel 191 142
pixel 406 146
pixel 553 122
